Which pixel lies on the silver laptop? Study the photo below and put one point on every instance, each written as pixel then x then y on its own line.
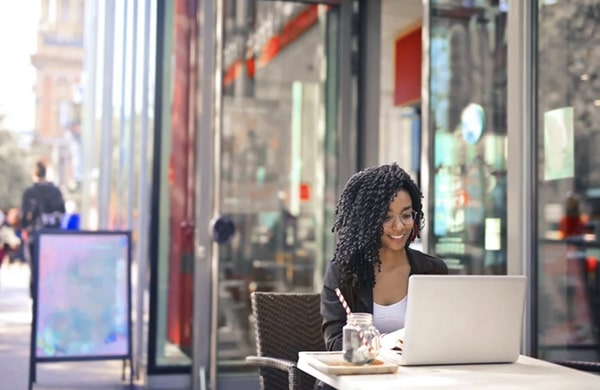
pixel 452 319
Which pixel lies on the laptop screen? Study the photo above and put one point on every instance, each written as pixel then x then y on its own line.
pixel 455 319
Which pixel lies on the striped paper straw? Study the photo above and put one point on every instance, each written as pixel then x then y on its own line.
pixel 343 301
pixel 349 312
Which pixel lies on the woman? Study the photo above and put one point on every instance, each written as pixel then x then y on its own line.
pixel 379 213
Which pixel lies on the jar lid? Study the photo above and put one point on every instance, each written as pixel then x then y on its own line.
pixel 360 318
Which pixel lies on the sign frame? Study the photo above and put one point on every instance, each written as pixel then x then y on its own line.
pixel 38 258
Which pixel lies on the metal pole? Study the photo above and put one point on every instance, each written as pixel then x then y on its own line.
pixel 207 142
pixel 426 151
pixel 369 42
pixel 107 117
pixel 520 160
pixel 132 118
pixel 123 139
pixel 346 137
pixel 143 193
pixel 89 122
pixel 216 182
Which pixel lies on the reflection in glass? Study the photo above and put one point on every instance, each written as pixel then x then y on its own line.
pixel 568 183
pixel 173 274
pixel 274 155
pixel 468 120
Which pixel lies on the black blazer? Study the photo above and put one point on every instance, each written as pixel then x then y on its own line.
pixel 361 300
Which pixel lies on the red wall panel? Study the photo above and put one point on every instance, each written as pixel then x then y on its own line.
pixel 407 69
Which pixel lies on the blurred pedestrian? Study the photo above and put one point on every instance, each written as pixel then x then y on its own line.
pixel 8 239
pixel 13 220
pixel 572 223
pixel 43 207
pixel 71 219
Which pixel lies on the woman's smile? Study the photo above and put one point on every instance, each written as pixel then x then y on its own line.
pixel 396 237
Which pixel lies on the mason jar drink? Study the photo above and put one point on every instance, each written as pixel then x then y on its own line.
pixel 360 339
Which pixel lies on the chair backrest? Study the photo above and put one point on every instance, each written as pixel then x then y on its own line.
pixel 287 323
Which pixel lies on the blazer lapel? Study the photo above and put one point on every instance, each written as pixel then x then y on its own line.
pixel 418 264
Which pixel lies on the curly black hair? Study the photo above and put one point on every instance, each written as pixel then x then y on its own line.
pixel 359 215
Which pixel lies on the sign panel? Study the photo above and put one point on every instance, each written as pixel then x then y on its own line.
pixel 82 308
pixel 559 144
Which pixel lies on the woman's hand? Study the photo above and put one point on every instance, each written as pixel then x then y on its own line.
pixel 393 340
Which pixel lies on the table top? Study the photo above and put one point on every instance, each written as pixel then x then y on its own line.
pixel 525 373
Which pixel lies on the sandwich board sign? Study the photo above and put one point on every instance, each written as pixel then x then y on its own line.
pixel 81 297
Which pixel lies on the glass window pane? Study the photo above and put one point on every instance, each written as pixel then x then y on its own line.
pixel 568 186
pixel 278 155
pixel 175 218
pixel 468 119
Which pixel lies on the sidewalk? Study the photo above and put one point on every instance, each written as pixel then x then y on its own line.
pixel 15 332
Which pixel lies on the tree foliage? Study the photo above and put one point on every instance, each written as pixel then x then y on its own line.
pixel 14 172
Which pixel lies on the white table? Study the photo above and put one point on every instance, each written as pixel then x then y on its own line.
pixel 526 373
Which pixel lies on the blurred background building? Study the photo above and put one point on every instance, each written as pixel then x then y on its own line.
pixel 58 61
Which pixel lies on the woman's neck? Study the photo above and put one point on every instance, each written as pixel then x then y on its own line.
pixel 392 259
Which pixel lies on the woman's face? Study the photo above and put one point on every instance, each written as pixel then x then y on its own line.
pixel 399 222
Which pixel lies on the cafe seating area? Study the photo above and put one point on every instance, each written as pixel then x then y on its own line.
pixel 287 324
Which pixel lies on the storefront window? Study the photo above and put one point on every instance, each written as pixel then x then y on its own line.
pixel 568 185
pixel 277 159
pixel 468 120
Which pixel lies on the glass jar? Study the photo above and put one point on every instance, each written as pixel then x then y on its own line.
pixel 361 339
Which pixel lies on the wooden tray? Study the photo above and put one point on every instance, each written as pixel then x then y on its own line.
pixel 334 363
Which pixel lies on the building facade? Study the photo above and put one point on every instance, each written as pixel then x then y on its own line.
pixel 258 111
pixel 59 66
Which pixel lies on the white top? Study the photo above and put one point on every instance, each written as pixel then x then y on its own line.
pixel 391 317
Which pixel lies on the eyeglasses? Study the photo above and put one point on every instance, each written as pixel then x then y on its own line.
pixel 407 218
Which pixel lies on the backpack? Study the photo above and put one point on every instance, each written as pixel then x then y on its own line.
pixel 43 207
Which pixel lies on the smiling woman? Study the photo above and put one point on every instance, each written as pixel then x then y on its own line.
pixel 379 213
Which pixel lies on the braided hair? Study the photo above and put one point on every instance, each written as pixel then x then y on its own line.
pixel 359 215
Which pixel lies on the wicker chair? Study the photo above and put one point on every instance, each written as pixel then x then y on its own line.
pixel 286 323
